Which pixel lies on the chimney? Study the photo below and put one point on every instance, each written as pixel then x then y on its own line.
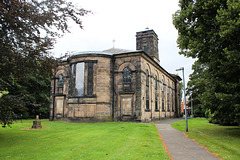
pixel 147 41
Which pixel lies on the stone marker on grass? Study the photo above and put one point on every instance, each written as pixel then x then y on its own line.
pixel 37 123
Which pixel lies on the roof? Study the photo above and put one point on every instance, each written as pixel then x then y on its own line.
pixel 176 77
pixel 110 52
pixel 91 52
pixel 117 51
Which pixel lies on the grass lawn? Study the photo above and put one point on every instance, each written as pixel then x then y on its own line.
pixel 221 140
pixel 93 141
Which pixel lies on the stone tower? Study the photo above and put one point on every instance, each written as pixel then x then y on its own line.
pixel 147 41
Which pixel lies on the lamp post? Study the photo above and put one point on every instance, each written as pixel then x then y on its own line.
pixel 185 108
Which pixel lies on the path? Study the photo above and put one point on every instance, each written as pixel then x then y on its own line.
pixel 179 146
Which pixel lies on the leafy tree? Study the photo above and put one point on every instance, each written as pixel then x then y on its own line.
pixel 196 87
pixel 209 31
pixel 29 29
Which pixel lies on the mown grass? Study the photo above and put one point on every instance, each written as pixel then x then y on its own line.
pixel 221 140
pixel 69 141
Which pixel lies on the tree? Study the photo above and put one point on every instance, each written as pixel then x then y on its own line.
pixel 209 31
pixel 29 29
pixel 196 86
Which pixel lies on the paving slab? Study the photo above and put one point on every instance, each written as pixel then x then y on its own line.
pixel 179 146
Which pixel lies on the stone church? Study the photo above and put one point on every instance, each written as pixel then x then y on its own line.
pixel 115 85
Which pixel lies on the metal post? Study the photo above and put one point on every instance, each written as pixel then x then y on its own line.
pixel 185 108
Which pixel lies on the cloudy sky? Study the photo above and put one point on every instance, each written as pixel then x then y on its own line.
pixel 120 20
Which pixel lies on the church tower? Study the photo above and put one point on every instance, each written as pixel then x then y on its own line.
pixel 147 41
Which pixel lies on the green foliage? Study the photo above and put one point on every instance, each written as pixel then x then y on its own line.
pixel 221 140
pixel 28 32
pixel 101 141
pixel 3 93
pixel 196 87
pixel 209 31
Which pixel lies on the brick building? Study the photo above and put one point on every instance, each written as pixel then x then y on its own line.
pixel 115 84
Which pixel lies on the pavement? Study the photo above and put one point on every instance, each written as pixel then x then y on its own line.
pixel 178 145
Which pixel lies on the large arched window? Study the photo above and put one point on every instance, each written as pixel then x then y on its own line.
pixel 82 79
pixel 147 90
pixel 77 79
pixel 127 75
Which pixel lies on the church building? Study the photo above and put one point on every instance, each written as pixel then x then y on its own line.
pixel 115 85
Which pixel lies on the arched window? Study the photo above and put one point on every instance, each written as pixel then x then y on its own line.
pixel 162 85
pixel 147 90
pixel 173 91
pixel 172 102
pixel 156 82
pixel 168 98
pixel 60 83
pixel 147 78
pixel 127 75
pixel 163 108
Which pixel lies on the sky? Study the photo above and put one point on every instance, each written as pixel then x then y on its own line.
pixel 119 20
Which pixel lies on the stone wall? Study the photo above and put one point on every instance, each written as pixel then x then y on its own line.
pixel 95 107
pixel 111 98
pixel 127 95
pixel 157 94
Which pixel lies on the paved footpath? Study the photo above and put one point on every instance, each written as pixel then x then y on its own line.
pixel 179 146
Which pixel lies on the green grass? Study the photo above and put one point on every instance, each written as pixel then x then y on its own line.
pixel 110 140
pixel 221 140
